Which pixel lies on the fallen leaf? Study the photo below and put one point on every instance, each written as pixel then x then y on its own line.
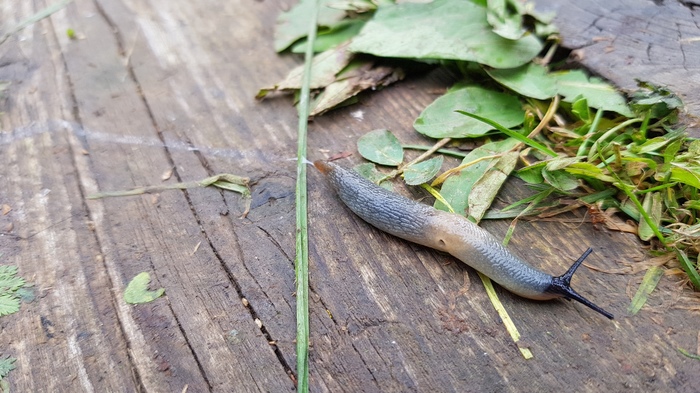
pixel 137 291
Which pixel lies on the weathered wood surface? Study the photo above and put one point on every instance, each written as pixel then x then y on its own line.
pixel 169 84
pixel 656 41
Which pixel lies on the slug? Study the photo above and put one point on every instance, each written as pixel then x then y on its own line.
pixel 451 233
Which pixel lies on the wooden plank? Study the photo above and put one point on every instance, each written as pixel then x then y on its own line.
pixel 170 84
pixel 69 338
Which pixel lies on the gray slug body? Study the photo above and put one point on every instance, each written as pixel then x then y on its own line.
pixel 425 225
pixel 451 233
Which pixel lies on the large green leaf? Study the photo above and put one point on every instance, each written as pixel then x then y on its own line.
pixel 442 29
pixel 439 119
pixel 535 81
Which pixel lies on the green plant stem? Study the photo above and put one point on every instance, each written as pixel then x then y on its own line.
pixel 645 216
pixel 301 262
pixel 513 134
pixel 429 151
pixel 441 151
pixel 538 198
pixel 438 196
pixel 591 130
pixel 594 149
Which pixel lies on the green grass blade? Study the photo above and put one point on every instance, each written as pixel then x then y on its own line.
pixel 438 196
pixel 649 282
pixel 33 19
pixel 688 354
pixel 301 262
pixel 647 218
pixel 446 152
pixel 689 268
pixel 521 138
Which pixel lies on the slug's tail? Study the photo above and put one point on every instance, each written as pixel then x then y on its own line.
pixel 562 286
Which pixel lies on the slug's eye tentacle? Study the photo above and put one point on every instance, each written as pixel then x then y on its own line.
pixel 562 285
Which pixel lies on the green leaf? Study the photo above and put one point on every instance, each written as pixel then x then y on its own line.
pixel 581 110
pixel 506 22
pixel 137 291
pixel 671 151
pixel 439 120
pixel 533 80
pixel 7 364
pixel 532 174
pixel 9 304
pixel 7 271
pixel 10 283
pixel 650 145
pixel 442 29
pixel 381 147
pixel 486 188
pixel 457 188
pixel 294 24
pixel 530 80
pixel 561 180
pixel 573 85
pixel 561 162
pixel 639 162
pixel 655 99
pixel 653 205
pixel 588 170
pixel 649 282
pixel 686 175
pixel 422 172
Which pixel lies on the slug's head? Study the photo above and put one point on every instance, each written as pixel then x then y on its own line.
pixel 562 286
pixel 323 166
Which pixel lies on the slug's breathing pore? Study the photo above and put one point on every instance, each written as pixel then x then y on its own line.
pixel 450 233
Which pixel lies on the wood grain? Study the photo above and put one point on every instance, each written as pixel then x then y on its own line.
pixel 159 85
pixel 629 40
